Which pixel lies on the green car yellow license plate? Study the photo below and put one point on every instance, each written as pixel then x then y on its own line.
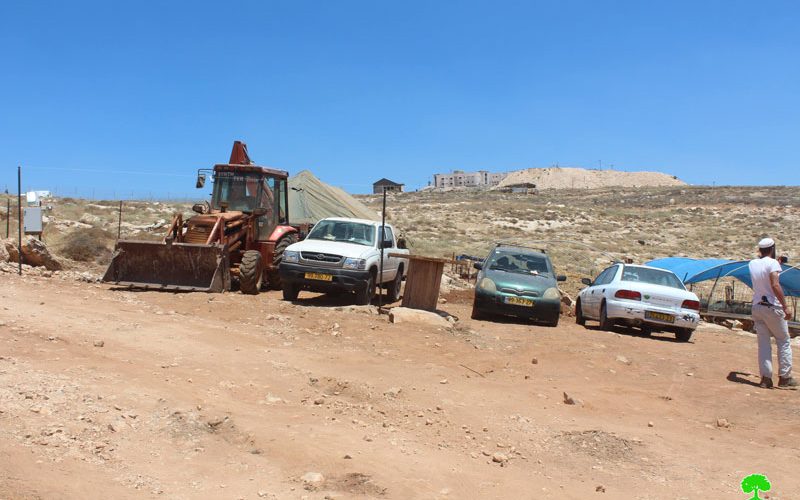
pixel 519 301
pixel 319 277
pixel 668 318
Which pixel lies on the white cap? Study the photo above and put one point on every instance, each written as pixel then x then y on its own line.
pixel 766 243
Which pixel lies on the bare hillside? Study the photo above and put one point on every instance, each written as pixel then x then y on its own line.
pixel 581 178
pixel 585 229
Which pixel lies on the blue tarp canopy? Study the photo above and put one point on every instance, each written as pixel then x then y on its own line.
pixel 697 270
pixel 684 267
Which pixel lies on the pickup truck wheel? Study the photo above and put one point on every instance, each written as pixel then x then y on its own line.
pixel 290 292
pixel 364 296
pixel 251 272
pixel 273 277
pixel 393 292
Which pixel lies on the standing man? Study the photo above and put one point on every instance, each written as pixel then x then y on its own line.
pixel 769 315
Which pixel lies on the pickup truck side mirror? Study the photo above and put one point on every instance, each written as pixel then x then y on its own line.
pixel 478 265
pixel 561 277
pixel 387 244
pixel 586 281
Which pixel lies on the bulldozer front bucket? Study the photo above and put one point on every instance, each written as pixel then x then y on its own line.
pixel 171 267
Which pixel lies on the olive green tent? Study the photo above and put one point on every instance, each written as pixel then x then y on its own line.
pixel 310 200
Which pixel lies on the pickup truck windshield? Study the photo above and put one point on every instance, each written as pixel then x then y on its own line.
pixel 348 232
pixel 519 262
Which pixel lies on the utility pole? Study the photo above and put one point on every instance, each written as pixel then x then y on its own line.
pixel 19 216
pixel 383 237
pixel 119 225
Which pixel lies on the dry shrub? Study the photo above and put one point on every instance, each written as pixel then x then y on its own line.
pixel 87 244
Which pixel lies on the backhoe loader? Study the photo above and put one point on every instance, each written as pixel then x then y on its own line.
pixel 240 235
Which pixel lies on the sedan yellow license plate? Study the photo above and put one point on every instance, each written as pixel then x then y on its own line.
pixel 319 277
pixel 519 301
pixel 668 318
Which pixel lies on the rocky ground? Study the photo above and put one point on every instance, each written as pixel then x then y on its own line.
pixel 108 392
pixel 143 395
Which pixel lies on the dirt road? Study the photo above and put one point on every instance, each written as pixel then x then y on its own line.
pixel 124 394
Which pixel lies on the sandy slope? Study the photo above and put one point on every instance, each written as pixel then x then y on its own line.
pixel 231 396
pixel 581 178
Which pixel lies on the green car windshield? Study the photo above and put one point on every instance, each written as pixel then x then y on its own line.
pixel 346 231
pixel 519 263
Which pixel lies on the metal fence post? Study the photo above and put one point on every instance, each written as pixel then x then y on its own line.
pixel 19 216
pixel 381 239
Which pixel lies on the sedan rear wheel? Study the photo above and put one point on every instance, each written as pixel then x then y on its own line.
pixel 683 335
pixel 605 322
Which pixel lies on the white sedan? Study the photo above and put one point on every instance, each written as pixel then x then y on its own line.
pixel 646 297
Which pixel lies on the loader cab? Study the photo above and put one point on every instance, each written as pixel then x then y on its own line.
pixel 255 190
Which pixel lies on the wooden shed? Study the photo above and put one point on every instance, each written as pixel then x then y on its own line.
pixel 390 186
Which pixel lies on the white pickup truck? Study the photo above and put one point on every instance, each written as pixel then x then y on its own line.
pixel 341 254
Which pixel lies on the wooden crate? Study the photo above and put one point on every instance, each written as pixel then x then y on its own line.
pixel 423 281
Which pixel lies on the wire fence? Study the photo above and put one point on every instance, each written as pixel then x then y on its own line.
pixel 728 295
pixel 96 183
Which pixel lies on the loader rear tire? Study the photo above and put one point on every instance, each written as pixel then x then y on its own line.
pixel 273 277
pixel 251 272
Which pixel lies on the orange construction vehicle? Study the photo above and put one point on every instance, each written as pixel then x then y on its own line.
pixel 240 235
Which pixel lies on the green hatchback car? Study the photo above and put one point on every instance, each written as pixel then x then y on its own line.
pixel 517 281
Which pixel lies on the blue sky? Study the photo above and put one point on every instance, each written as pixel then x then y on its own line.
pixel 102 98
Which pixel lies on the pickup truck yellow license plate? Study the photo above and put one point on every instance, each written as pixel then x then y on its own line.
pixel 319 277
pixel 667 318
pixel 519 301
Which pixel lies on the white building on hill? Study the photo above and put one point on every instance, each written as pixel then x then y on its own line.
pixel 459 178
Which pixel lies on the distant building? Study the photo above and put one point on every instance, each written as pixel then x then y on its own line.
pixel 390 186
pixel 459 178
pixel 35 197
